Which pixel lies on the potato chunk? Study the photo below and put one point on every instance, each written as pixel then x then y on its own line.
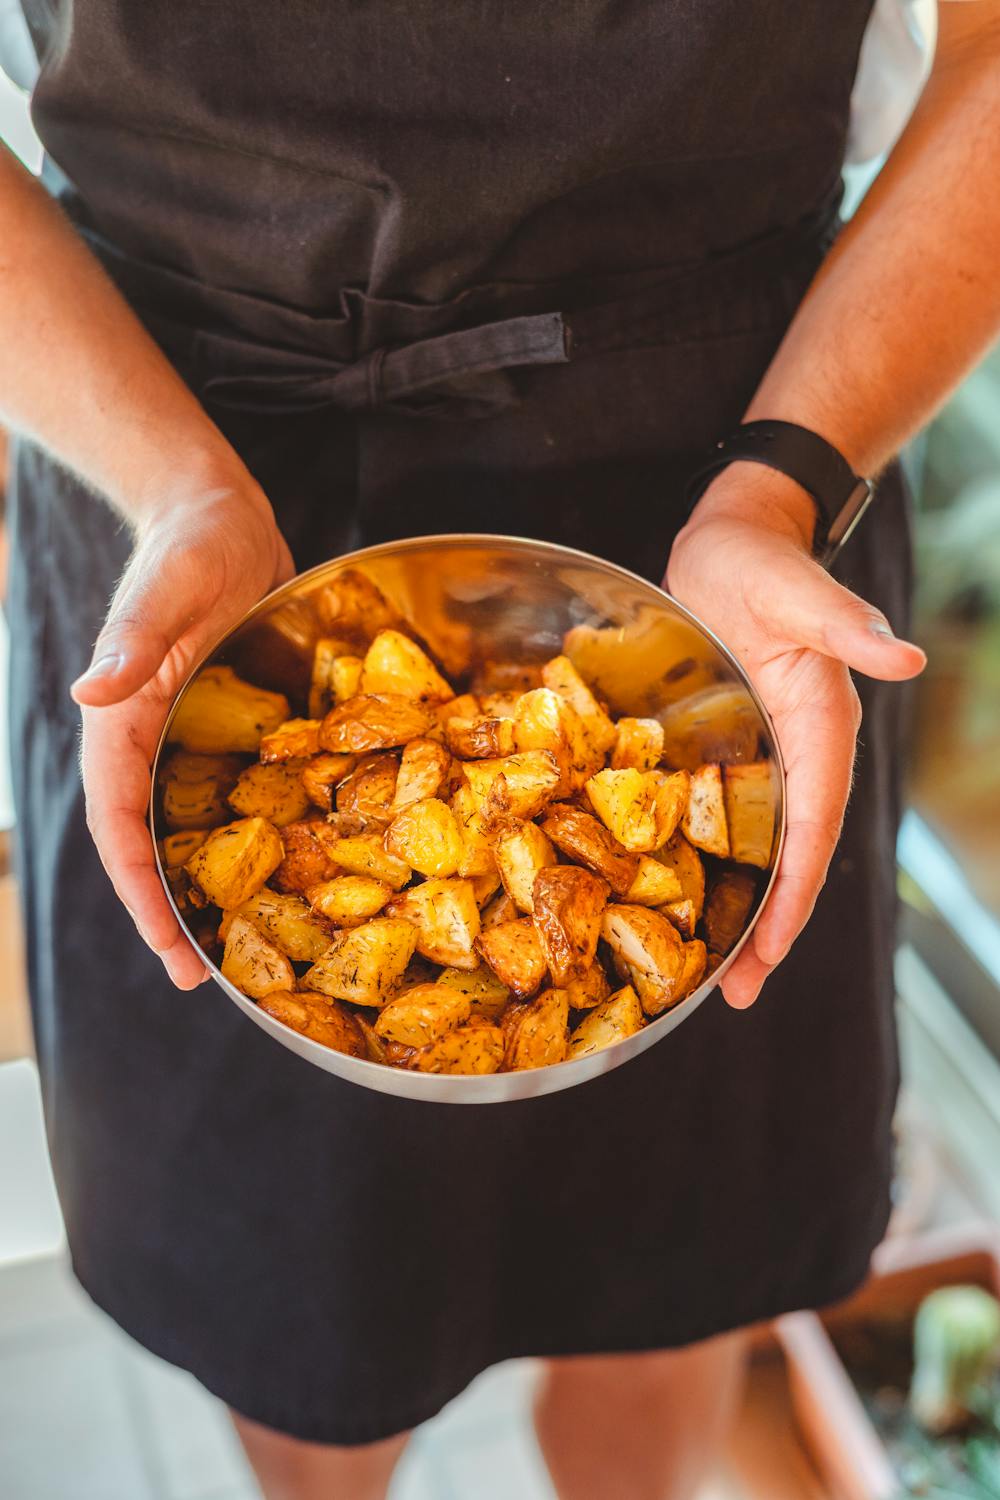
pixel 546 721
pixel 611 1021
pixel 427 837
pixel 367 792
pixel 654 885
pixel 727 909
pixel 318 1018
pixel 363 854
pixel 480 738
pixel 568 904
pixel 422 772
pixel 348 900
pixel 422 1015
pixel 364 964
pixel 353 604
pixel 253 963
pixel 220 712
pixel 638 744
pixel 521 850
pixel 396 664
pixel 588 842
pixel 373 721
pixel 591 990
pixel 651 949
pixel 685 861
pixel 693 970
pixel 194 789
pixel 704 822
pixel 641 808
pixel 529 780
pixel 477 853
pixel 177 848
pixel 327 652
pixel 323 773
pixel 473 1048
pixel 273 792
pixel 513 950
pixel 562 677
pixel 750 799
pixel 289 923
pixel 345 677
pixel 486 994
pixel 305 861
pixel 235 861
pixel 682 915
pixel 500 909
pixel 293 740
pixel 445 918
pixel 536 1033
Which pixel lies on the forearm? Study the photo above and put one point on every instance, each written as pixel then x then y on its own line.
pixel 78 372
pixel 908 299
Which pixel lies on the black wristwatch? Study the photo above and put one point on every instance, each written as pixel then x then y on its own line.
pixel 841 497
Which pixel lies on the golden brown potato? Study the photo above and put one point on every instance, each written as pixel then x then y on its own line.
pixel 293 740
pixel 485 887
pixel 422 772
pixel 472 1048
pixel 499 705
pixel 593 989
pixel 561 676
pixel 685 861
pixel 396 664
pixel 536 1037
pixel 529 782
pixel 427 837
pixel 323 773
pixel 348 900
pixel 486 994
pixel 445 918
pixel 177 848
pixel 194 789
pixel 353 604
pixel 374 721
pixel 750 798
pixel 287 920
pixel 480 738
pixel 320 1019
pixel 305 861
pixel 682 915
pixel 513 950
pixel 719 723
pixel 521 850
pixel 253 963
pixel 377 1051
pixel 654 885
pixel 704 822
pixel 362 854
pixel 673 789
pixel 326 653
pixel 220 712
pixel 366 963
pixel 464 707
pixel 546 721
pixel 568 905
pixel 235 861
pixel 500 909
pixel 612 1021
pixel 368 791
pixel 274 792
pixel 477 853
pixel 345 677
pixel 586 841
pixel 505 677
pixel 693 970
pixel 641 808
pixel 727 909
pixel 638 744
pixel 422 1015
pixel 651 949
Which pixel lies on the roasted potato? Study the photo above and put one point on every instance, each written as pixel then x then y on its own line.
pixel 221 713
pixel 481 738
pixel 367 793
pixel 422 772
pixel 356 606
pixel 592 989
pixel 395 664
pixel 499 910
pixel 345 677
pixel 612 1021
pixel 474 1048
pixel 537 1036
pixel 274 792
pixel 235 861
pixel 719 723
pixel 654 885
pixel 750 800
pixel 374 721
pixel 323 773
pixel 364 964
pixel 505 677
pixel 477 852
pixel 445 919
pixel 348 900
pixel 704 823
pixel 486 994
pixel 485 887
pixel 466 706
pixel 362 854
pixel 562 677
pixel 568 905
pixel 305 861
pixel 529 782
pixel 651 949
pixel 679 856
pixel 326 653
pixel 287 921
pixel 580 836
pixel 194 788
pixel 253 963
pixel 641 808
pixel 638 744
pixel 422 1015
pixel 377 1052
pixel 682 915
pixel 426 836
pixel 521 850
pixel 320 1019
pixel 293 740
pixel 499 705
pixel 546 721
pixel 177 848
pixel 693 970
pixel 513 950
pixel 727 908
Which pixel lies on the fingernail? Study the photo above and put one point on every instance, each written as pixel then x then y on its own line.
pixel 884 631
pixel 104 666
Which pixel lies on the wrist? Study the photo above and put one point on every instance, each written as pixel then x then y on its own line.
pixel 168 489
pixel 762 497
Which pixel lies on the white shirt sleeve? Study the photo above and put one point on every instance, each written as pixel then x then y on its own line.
pixel 896 56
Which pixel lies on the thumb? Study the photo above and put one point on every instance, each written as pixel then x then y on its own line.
pixel 812 609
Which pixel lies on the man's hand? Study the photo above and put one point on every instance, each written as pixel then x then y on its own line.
pixel 204 554
pixel 743 566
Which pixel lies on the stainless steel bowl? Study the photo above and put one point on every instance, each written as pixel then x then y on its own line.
pixel 479 598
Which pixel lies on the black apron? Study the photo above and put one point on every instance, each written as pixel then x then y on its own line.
pixel 445 267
